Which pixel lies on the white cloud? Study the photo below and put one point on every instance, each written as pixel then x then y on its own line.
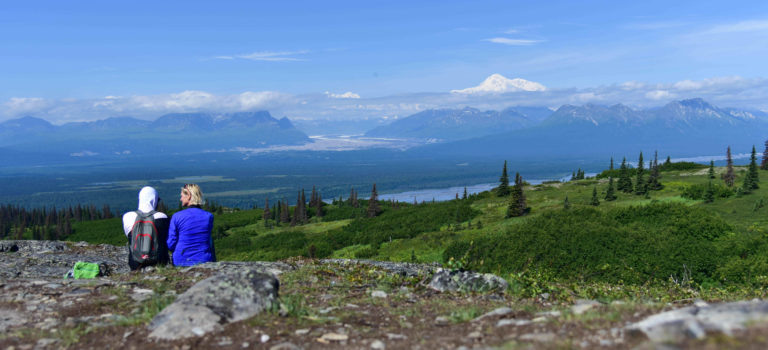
pixel 586 97
pixel 739 27
pixel 632 85
pixel 347 94
pixel 251 100
pixel 707 83
pixel 85 153
pixel 513 42
pixel 20 105
pixel 272 56
pixel 658 94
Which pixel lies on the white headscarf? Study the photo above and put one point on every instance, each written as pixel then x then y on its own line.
pixel 147 199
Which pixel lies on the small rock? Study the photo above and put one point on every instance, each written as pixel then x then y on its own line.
pixel 45 342
pixel 352 306
pixel 327 310
pixel 442 321
pixel 538 337
pixel 264 338
pixel 140 294
pixel 245 345
pixel 155 278
pixel 379 294
pixel 127 334
pixel 498 312
pixel 302 331
pixel 284 346
pixel 334 337
pixel 579 309
pixel 392 336
pixel 224 341
pixel 700 303
pixel 475 335
pixel 378 345
pixel 544 296
pixel 513 322
pixel 553 313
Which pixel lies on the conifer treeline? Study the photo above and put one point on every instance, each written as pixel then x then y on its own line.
pixel 44 223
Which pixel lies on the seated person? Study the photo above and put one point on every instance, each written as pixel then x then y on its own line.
pixel 148 200
pixel 189 235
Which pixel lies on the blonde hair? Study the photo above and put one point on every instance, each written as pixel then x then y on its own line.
pixel 194 192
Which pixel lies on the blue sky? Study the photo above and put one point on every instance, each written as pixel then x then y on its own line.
pixel 61 60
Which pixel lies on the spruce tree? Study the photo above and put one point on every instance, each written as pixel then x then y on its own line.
pixel 611 166
pixel 594 200
pixel 729 177
pixel 711 172
pixel 709 194
pixel 303 218
pixel 610 194
pixel 296 218
pixel 668 161
pixel 566 203
pixel 319 205
pixel 655 175
pixel 640 184
pixel 764 163
pixel 517 205
pixel 503 189
pixel 752 172
pixel 465 193
pixel 373 203
pixel 267 214
pixel 285 215
pixel 625 182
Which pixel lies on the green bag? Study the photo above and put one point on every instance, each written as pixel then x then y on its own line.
pixel 85 270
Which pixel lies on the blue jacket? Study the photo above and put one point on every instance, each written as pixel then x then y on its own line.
pixel 189 237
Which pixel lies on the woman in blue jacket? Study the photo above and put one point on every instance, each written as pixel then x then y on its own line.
pixel 189 234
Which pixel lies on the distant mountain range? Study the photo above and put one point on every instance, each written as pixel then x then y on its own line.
pixel 687 127
pixel 178 133
pixel 457 124
pixel 681 127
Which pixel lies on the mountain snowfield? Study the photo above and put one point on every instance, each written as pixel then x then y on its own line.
pixel 499 84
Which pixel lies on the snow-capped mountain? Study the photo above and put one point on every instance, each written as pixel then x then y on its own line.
pixel 499 84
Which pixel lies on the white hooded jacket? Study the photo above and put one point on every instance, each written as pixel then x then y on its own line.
pixel 148 199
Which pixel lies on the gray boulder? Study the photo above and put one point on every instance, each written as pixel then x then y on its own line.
pixel 466 281
pixel 228 297
pixel 694 322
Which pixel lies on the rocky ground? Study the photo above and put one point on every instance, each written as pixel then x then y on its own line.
pixel 310 304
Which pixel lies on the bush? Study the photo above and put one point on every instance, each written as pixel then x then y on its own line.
pixel 623 245
pixel 407 222
pixel 681 166
pixel 698 191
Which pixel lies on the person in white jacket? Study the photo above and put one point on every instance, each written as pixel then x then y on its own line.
pixel 148 200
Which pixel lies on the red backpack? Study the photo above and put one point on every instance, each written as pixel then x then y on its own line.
pixel 143 244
